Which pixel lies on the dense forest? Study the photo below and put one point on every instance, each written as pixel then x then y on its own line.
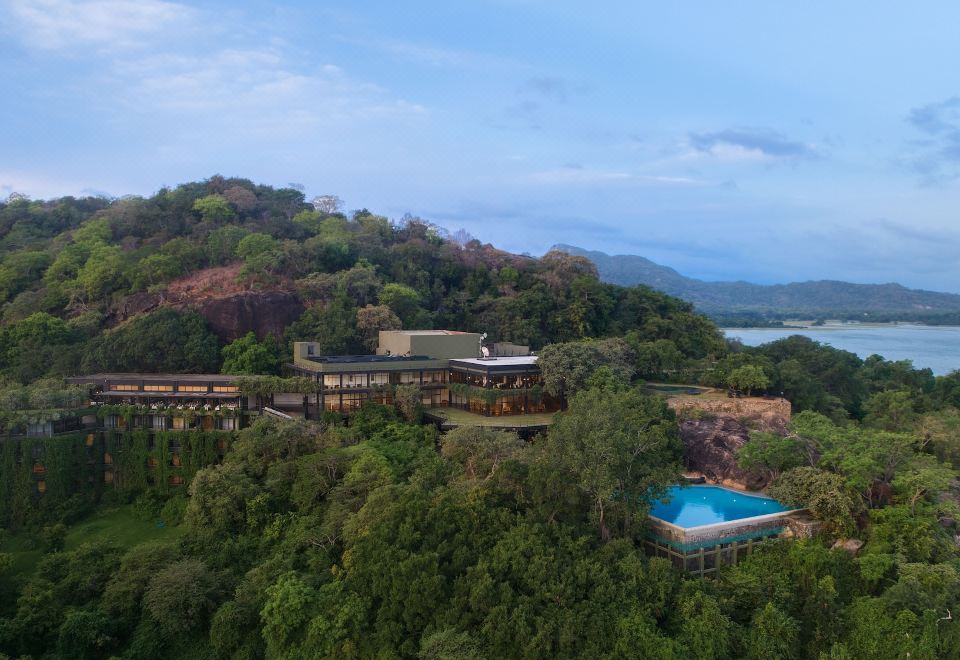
pixel 378 536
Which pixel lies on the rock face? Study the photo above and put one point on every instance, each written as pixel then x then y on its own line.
pixel 710 448
pixel 262 312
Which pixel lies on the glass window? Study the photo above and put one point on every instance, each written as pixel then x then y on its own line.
pixel 226 388
pixel 124 388
pixel 379 378
pixel 354 380
pixel 192 388
pixel 158 388
pixel 331 381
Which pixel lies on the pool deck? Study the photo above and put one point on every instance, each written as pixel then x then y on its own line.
pixel 721 532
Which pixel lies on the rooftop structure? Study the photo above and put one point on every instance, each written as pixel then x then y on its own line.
pixel 445 364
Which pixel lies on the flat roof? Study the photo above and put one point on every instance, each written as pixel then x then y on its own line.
pixel 514 361
pixel 166 377
pixel 431 332
pixel 363 359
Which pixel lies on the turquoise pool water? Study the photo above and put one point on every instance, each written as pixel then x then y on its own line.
pixel 692 506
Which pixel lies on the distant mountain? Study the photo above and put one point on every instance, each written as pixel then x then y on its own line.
pixel 820 299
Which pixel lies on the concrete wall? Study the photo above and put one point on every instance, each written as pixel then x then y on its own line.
pixel 434 344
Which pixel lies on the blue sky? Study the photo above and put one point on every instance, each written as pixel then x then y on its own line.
pixel 740 140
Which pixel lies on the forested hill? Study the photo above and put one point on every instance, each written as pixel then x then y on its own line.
pixel 824 298
pixel 165 283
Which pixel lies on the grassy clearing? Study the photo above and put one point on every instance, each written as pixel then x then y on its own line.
pixel 120 525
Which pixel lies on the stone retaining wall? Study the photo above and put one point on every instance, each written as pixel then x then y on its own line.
pixel 740 408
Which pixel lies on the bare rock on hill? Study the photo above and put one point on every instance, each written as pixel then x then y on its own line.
pixel 710 447
pixel 261 312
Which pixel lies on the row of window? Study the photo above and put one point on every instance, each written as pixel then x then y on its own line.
pixel 133 387
pixel 165 423
pixel 383 378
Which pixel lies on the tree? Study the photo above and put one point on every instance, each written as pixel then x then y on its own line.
pixel 290 606
pixel 924 476
pixel 773 634
pixel 749 377
pixel 567 367
pixel 222 244
pixel 480 451
pixel 84 634
pixel 218 499
pixel 824 493
pixel 409 401
pixel 246 355
pixel 404 301
pixel 620 449
pixel 214 209
pixel 371 320
pixel 181 596
pixel 165 341
pixel 124 592
pixel 449 644
pixel 771 452
pixel 705 631
pixel 891 410
pixel 327 204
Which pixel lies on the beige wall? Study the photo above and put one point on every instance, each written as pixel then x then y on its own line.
pixel 438 346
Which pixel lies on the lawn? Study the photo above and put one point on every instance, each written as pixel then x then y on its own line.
pixel 457 417
pixel 117 524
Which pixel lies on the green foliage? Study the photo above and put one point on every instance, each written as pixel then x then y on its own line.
pixel 824 493
pixel 180 596
pixel 214 209
pixel 748 378
pixel 165 341
pixel 620 450
pixel 246 355
pixel 567 368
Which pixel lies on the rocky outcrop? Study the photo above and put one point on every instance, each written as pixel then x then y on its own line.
pixel 711 443
pixel 261 312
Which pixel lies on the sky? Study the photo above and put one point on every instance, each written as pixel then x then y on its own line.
pixel 769 142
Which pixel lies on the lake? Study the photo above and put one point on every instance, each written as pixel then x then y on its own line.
pixel 936 347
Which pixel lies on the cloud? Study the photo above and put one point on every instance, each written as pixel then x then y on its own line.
pixel 105 24
pixel 938 157
pixel 576 173
pixel 259 88
pixel 553 89
pixel 738 144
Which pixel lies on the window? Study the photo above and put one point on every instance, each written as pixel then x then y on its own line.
pixel 226 388
pixel 355 380
pixel 379 378
pixel 331 381
pixel 158 388
pixel 124 388
pixel 192 388
pixel 41 486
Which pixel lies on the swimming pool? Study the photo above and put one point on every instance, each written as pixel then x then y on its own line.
pixel 694 506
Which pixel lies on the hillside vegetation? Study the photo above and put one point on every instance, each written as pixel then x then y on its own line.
pixel 742 301
pixel 162 283
pixel 377 536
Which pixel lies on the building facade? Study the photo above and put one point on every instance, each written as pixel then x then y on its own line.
pixel 445 365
